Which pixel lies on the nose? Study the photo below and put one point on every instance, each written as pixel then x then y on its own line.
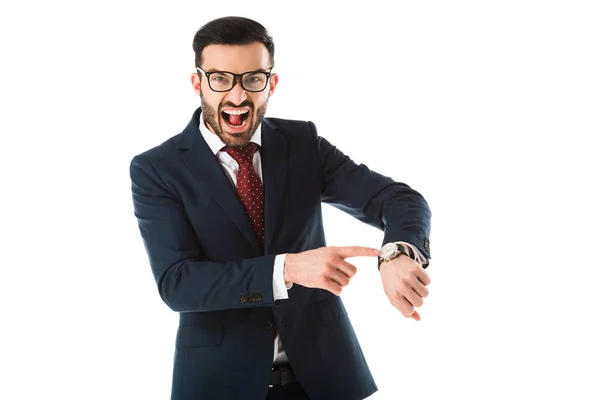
pixel 236 95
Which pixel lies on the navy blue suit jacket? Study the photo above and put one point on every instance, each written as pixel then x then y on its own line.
pixel 210 268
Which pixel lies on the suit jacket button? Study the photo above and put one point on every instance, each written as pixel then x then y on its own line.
pixel 243 299
pixel 258 297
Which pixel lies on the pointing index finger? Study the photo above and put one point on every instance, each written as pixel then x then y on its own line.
pixel 356 251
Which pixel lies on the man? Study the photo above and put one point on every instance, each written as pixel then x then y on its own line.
pixel 230 214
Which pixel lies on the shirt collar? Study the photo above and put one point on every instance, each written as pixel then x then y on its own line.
pixel 214 141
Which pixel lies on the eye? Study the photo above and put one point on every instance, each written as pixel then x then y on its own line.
pixel 255 78
pixel 219 77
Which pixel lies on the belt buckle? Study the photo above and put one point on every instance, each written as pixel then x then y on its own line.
pixel 287 376
pixel 282 375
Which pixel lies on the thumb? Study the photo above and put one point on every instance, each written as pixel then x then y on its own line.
pixel 416 316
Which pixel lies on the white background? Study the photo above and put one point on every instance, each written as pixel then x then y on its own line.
pixel 489 109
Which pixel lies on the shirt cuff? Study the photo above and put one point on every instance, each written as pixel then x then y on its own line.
pixel 419 257
pixel 279 287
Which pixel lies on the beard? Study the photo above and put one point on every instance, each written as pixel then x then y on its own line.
pixel 212 118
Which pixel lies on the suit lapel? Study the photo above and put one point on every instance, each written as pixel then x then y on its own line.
pixel 206 168
pixel 274 158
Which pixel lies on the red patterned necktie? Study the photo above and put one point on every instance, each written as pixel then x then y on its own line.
pixel 249 187
pixel 250 190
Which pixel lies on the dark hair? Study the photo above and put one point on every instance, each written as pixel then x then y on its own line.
pixel 232 31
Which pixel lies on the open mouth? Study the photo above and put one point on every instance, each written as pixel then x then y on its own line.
pixel 235 118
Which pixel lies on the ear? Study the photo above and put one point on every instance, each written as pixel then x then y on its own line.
pixel 196 83
pixel 273 83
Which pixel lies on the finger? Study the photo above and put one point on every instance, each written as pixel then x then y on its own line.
pixel 420 288
pixel 339 277
pixel 346 268
pixel 423 276
pixel 356 251
pixel 413 297
pixel 332 286
pixel 402 305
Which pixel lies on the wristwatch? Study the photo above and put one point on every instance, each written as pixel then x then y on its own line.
pixel 392 250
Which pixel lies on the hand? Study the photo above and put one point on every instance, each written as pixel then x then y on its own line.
pixel 405 284
pixel 324 268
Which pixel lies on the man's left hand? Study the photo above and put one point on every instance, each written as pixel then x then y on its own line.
pixel 405 284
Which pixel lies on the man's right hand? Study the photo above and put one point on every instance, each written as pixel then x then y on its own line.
pixel 324 268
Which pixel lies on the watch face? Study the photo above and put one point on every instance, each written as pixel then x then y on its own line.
pixel 387 250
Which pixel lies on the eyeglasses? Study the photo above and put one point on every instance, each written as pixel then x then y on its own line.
pixel 223 81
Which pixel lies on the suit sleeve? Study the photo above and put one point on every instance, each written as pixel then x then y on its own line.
pixel 401 212
pixel 186 280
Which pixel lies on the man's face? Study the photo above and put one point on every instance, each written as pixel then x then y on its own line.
pixel 234 115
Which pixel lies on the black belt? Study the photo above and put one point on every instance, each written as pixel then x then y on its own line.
pixel 282 374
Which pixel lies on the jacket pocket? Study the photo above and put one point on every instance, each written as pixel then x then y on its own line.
pixel 200 335
pixel 331 310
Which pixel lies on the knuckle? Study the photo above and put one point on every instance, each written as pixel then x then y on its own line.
pixel 403 285
pixel 411 281
pixel 330 260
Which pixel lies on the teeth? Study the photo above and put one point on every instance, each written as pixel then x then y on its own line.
pixel 235 112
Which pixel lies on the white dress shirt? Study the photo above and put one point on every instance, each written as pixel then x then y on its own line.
pixel 230 166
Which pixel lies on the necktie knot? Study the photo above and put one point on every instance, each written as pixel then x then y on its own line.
pixel 243 155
